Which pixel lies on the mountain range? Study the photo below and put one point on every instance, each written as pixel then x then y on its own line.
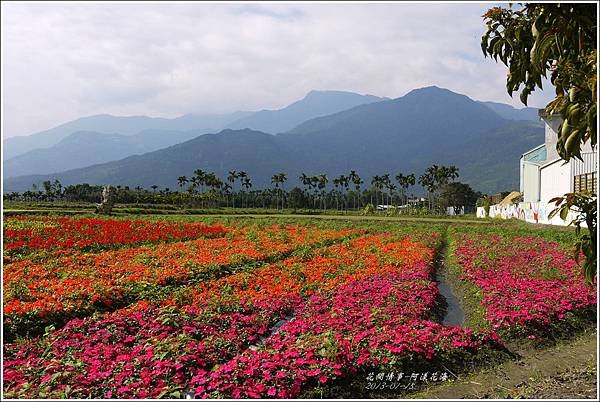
pixel 124 125
pixel 314 104
pixel 426 126
pixel 85 148
pixel 509 112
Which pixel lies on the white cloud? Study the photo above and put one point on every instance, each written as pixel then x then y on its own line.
pixel 62 60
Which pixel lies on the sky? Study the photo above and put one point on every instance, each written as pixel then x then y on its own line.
pixel 61 61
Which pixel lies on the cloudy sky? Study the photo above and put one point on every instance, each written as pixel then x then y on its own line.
pixel 62 61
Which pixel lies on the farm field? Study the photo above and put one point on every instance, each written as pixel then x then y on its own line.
pixel 279 307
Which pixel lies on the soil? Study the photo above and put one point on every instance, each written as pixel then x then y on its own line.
pixel 567 370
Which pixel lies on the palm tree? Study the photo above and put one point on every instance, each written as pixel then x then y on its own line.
pixel 337 183
pixel 357 181
pixel 154 187
pixel 377 184
pixel 246 182
pixel 391 187
pixel 200 176
pixel 436 177
pixel 307 183
pixel 214 183
pixel 277 179
pixel 345 180
pixel 231 178
pixel 282 180
pixel 182 180
pixel 321 184
pixel 386 182
pixel 404 182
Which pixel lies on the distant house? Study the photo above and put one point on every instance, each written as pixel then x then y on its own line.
pixel 544 175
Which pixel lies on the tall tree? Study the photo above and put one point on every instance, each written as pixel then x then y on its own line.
pixel 322 181
pixel 307 183
pixel 246 183
pixel 182 180
pixel 376 184
pixel 538 39
pixel 357 181
pixel 337 184
pixel 231 178
pixel 405 181
pixel 458 195
pixel 434 178
pixel 278 179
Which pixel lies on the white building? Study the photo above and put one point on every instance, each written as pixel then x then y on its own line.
pixel 544 175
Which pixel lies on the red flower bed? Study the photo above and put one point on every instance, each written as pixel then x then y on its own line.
pixel 526 282
pixel 76 285
pixel 26 234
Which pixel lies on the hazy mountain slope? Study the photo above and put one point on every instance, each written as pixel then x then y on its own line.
pixel 124 125
pixel 512 113
pixel 314 104
pixel 85 148
pixel 408 134
pixel 216 152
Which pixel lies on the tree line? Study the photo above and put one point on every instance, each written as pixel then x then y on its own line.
pixel 344 192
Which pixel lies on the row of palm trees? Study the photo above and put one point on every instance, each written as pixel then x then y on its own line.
pixel 383 187
pixel 206 189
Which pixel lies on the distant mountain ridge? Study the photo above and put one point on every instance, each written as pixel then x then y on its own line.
pixel 107 124
pixel 314 104
pixel 408 134
pixel 86 148
pixel 512 113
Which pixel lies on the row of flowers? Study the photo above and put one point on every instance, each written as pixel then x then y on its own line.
pixel 37 294
pixel 381 321
pixel 24 235
pixel 369 296
pixel 140 352
pixel 526 282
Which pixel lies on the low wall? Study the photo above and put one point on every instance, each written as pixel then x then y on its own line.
pixel 533 212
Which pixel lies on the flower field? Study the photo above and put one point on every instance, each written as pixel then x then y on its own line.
pixel 526 283
pixel 24 235
pixel 39 293
pixel 259 311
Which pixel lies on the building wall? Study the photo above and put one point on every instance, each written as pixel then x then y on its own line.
pixel 531 180
pixel 588 165
pixel 551 138
pixel 551 135
pixel 555 180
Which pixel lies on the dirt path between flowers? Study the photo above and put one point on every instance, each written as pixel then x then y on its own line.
pixel 567 370
pixel 453 311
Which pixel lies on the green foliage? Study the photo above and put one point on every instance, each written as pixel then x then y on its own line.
pixel 369 209
pixel 458 195
pixel 585 206
pixel 434 178
pixel 557 38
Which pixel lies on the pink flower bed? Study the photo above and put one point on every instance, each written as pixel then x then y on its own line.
pixel 526 282
pixel 143 352
pixel 372 322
